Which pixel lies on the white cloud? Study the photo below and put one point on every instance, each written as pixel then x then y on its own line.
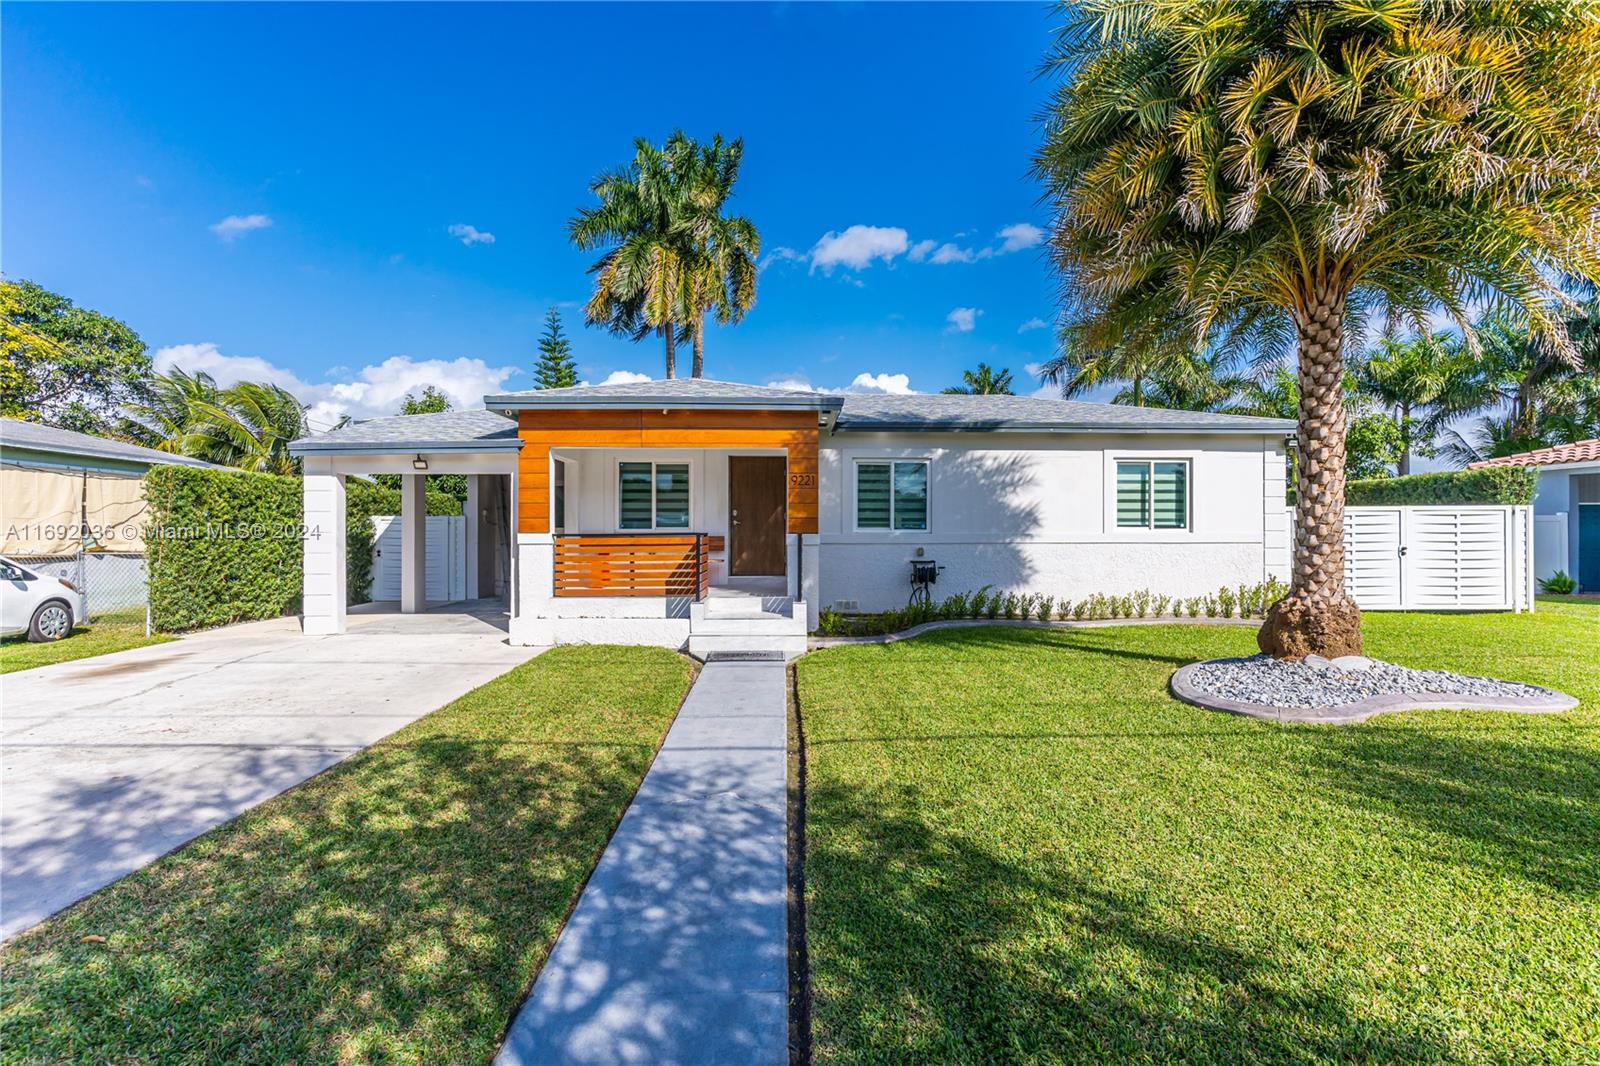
pixel 949 253
pixel 857 247
pixel 470 235
pixel 963 319
pixel 1033 324
pixel 797 382
pixel 1016 237
pixel 233 227
pixel 625 377
pixel 373 391
pixel 920 250
pixel 781 254
pixel 887 384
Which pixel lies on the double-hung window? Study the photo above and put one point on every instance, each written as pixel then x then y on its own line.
pixel 1152 494
pixel 892 494
pixel 653 495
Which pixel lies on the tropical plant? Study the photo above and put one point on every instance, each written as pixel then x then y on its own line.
pixel 247 425
pixel 164 418
pixel 555 368
pixel 431 401
pixel 720 250
pixel 1425 380
pixel 64 365
pixel 1559 583
pixel 1225 172
pixel 984 381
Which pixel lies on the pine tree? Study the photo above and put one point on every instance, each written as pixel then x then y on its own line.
pixel 556 368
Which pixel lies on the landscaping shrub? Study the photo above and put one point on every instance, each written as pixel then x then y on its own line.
pixel 1513 485
pixel 1559 583
pixel 225 545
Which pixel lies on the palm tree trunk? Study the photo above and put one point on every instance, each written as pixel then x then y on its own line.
pixel 1405 440
pixel 672 349
pixel 699 368
pixel 1317 617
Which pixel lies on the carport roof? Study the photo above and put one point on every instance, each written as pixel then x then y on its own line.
pixel 447 431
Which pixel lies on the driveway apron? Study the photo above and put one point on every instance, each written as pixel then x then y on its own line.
pixel 677 949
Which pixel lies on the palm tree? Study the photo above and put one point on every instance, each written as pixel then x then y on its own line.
pixel 982 382
pixel 641 280
pixel 1426 381
pixel 720 250
pixel 165 419
pixel 1239 168
pixel 249 426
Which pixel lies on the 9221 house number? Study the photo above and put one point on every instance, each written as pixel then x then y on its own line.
pixel 802 479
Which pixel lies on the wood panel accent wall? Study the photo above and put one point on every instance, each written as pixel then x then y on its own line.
pixel 793 431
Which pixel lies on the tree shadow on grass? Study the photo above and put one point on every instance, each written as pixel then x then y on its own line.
pixel 395 907
pixel 928 946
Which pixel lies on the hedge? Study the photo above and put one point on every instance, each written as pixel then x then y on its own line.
pixel 1491 484
pixel 225 545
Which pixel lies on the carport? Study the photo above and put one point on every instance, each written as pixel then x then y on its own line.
pixel 481 445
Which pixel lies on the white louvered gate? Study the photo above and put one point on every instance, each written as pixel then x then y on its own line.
pixel 446 563
pixel 1472 558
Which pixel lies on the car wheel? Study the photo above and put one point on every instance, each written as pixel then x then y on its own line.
pixel 52 621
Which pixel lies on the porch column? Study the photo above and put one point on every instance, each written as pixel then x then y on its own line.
pixel 323 591
pixel 474 513
pixel 413 543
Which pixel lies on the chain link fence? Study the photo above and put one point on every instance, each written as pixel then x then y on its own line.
pixel 116 585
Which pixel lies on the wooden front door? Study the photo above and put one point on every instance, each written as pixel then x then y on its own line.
pixel 756 527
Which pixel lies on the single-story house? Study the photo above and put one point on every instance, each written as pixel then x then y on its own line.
pixel 1566 509
pixel 721 516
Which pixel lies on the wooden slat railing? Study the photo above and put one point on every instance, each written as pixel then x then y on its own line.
pixel 632 564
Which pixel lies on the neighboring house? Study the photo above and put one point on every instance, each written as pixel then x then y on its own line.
pixel 1566 509
pixel 73 505
pixel 719 514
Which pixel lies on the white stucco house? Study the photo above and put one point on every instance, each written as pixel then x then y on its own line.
pixel 1566 509
pixel 719 516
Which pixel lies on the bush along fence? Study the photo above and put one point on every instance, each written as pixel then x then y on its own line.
pixel 225 545
pixel 1242 601
pixel 1506 485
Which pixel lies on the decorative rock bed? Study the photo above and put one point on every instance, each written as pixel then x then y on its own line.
pixel 1347 690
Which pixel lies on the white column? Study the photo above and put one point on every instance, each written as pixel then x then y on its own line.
pixel 533 620
pixel 474 513
pixel 413 543
pixel 323 592
pixel 811 577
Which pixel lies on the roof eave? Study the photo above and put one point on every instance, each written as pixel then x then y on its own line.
pixel 1256 429
pixel 314 447
pixel 514 402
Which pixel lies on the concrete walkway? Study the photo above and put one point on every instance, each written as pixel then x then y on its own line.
pixel 110 762
pixel 677 949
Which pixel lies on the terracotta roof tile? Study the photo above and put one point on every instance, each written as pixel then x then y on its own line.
pixel 1583 451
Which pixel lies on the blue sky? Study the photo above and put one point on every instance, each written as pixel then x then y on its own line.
pixel 270 191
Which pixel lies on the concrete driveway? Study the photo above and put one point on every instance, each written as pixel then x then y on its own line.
pixel 113 761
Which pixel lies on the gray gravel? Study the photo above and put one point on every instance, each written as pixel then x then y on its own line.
pixel 1273 682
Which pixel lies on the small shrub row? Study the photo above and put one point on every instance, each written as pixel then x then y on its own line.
pixel 1242 601
pixel 1513 485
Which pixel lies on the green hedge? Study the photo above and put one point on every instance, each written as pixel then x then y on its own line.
pixel 225 545
pixel 1491 484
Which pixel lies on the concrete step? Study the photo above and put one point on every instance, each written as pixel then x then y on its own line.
pixel 703 645
pixel 747 606
pixel 761 625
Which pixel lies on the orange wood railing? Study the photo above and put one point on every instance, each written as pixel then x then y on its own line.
pixel 632 564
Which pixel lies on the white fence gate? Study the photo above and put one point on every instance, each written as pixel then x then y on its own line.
pixel 1472 558
pixel 446 577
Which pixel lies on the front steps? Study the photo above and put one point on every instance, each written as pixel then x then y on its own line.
pixel 729 622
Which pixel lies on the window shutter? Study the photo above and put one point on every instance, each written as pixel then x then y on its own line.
pixel 1133 494
pixel 910 496
pixel 634 493
pixel 672 495
pixel 872 495
pixel 1171 494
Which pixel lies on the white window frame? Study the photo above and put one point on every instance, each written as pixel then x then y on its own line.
pixel 1150 510
pixel 889 460
pixel 616 483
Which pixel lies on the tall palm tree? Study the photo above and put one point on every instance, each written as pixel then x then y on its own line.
pixel 250 425
pixel 982 382
pixel 1425 381
pixel 1241 165
pixel 641 279
pixel 165 418
pixel 720 250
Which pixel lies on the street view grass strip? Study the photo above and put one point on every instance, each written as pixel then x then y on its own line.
pixel 101 637
pixel 1021 848
pixel 392 909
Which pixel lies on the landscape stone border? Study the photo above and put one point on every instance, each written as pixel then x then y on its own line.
pixel 1350 713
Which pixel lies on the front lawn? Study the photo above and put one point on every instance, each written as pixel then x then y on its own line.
pixel 392 909
pixel 113 633
pixel 1020 848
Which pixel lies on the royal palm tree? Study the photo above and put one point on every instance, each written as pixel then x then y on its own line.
pixel 720 250
pixel 1425 381
pixel 1236 166
pixel 641 279
pixel 984 381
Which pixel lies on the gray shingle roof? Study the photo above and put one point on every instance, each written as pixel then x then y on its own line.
pixel 942 413
pixel 673 392
pixel 446 431
pixel 29 437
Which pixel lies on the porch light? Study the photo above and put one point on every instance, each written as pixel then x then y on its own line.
pixel 419 463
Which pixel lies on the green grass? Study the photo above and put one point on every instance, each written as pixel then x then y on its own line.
pixel 1020 848
pixel 392 909
pixel 114 632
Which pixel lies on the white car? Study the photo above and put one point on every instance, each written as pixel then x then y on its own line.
pixel 44 607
